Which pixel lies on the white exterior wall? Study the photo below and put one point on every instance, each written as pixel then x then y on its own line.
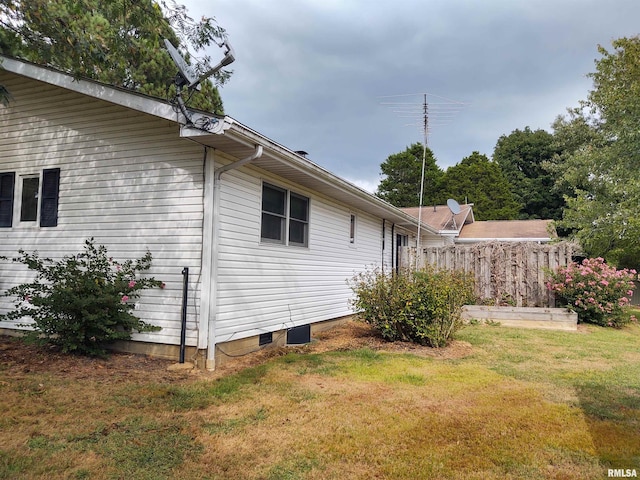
pixel 126 179
pixel 264 287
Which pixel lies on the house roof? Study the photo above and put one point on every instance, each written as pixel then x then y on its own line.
pixel 519 230
pixel 231 137
pixel 441 219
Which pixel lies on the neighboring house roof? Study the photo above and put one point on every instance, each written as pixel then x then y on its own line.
pixel 468 230
pixel 441 219
pixel 508 230
pixel 230 136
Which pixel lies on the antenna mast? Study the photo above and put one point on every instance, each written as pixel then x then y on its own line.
pixel 425 116
pixel 443 111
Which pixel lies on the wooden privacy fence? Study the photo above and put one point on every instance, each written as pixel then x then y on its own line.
pixel 512 273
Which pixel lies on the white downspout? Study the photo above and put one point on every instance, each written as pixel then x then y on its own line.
pixel 210 363
pixel 207 241
pixel 239 163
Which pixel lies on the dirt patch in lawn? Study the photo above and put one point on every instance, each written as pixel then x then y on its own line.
pixel 17 357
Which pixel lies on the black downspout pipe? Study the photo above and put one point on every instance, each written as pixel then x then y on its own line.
pixel 183 329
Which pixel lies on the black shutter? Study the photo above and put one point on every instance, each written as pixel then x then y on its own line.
pixel 49 201
pixel 7 183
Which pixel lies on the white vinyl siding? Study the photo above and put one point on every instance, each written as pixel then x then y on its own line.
pixel 266 287
pixel 125 179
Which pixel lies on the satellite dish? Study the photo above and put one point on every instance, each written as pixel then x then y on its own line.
pixel 185 71
pixel 187 75
pixel 453 206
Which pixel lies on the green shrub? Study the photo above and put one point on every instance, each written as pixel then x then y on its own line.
pixel 81 303
pixel 418 306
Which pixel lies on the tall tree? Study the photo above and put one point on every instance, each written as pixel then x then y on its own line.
pixel 402 177
pixel 521 156
pixel 481 182
pixel 119 42
pixel 603 168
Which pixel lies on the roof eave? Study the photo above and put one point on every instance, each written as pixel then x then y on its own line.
pixel 123 97
pixel 228 128
pixel 297 164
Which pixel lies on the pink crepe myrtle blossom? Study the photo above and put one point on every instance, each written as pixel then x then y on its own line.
pixel 124 298
pixel 597 291
pixel 132 283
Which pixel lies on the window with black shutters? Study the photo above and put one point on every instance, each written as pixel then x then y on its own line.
pixel 285 217
pixel 32 197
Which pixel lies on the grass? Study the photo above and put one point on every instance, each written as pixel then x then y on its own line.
pixel 528 404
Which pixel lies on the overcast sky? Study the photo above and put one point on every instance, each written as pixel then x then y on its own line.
pixel 315 75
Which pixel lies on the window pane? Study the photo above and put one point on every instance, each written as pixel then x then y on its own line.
pixel 298 233
pixel 29 208
pixel 273 199
pixel 299 207
pixel 272 228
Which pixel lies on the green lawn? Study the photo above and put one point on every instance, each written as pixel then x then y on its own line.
pixel 527 404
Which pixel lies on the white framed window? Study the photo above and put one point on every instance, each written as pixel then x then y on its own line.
pixel 285 217
pixel 352 229
pixel 30 199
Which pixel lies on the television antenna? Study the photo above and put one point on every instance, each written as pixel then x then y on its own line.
pixel 187 77
pixel 442 112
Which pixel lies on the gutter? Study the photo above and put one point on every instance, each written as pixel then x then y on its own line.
pixel 248 137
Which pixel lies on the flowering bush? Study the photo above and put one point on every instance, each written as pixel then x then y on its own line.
pixel 423 307
pixel 81 303
pixel 595 290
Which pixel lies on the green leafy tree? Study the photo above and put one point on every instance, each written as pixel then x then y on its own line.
pixel 118 42
pixel 402 174
pixel 602 167
pixel 522 156
pixel 481 182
